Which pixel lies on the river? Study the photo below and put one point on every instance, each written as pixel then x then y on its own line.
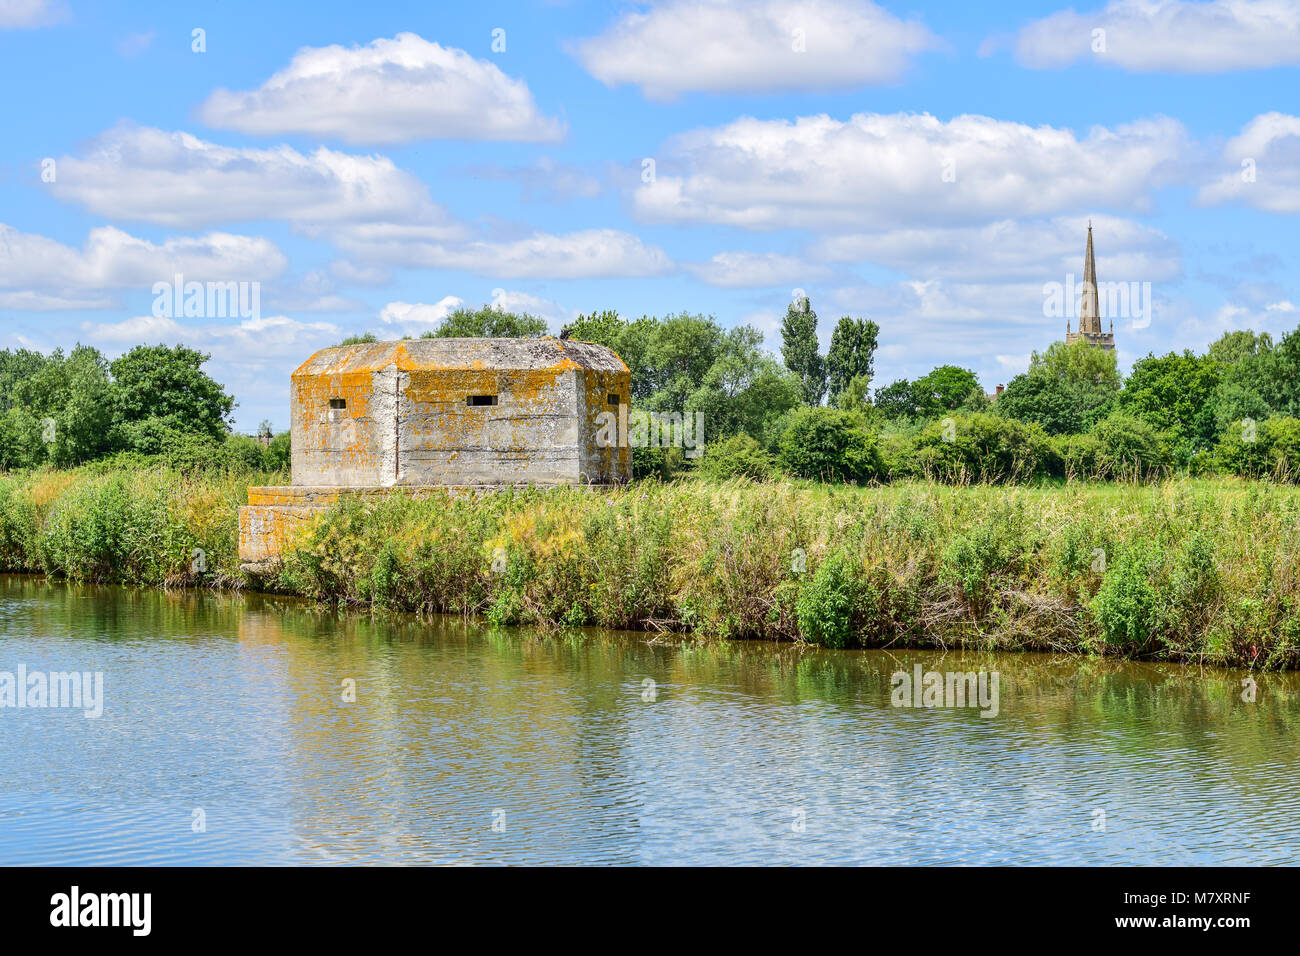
pixel 228 735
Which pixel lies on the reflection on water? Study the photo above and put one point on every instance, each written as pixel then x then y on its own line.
pixel 748 753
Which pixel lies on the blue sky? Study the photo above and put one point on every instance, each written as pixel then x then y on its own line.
pixel 930 166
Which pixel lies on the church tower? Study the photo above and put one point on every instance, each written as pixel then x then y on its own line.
pixel 1089 311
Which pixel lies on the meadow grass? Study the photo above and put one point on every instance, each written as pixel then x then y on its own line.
pixel 1188 569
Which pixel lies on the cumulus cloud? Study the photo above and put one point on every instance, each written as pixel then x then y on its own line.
pixel 50 274
pixel 396 90
pixel 1168 36
pixel 246 340
pixel 22 14
pixel 751 270
pixel 513 300
pixel 1013 250
pixel 587 254
pixel 413 317
pixel 176 179
pixel 744 46
pixel 879 171
pixel 350 272
pixel 1262 166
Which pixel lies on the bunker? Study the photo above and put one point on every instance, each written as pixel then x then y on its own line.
pixel 465 414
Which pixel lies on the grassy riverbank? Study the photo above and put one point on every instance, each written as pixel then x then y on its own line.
pixel 1187 569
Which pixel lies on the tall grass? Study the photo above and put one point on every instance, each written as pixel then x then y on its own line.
pixel 1186 569
pixel 151 526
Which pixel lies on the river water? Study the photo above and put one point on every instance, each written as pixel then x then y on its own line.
pixel 228 735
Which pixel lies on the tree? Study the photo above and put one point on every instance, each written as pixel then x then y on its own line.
pixel 946 389
pixel 799 349
pixel 1176 393
pixel 1042 399
pixel 630 339
pixel 488 322
pixel 161 392
pixel 365 338
pixel 67 402
pixel 895 400
pixel 851 355
pixel 1077 363
pixel 1067 389
pixel 689 363
pixel 1232 348
pixel 16 369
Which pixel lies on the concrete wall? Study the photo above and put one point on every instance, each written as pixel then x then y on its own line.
pixel 532 435
pixel 347 447
pixel 415 427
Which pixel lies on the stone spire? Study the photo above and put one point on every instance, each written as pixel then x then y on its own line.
pixel 1089 311
pixel 1089 314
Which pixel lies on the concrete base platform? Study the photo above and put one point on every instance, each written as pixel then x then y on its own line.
pixel 275 514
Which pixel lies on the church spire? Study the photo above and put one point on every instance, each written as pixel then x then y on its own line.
pixel 1089 314
pixel 1089 311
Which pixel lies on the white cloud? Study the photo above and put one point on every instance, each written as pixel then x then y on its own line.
pixel 418 317
pixel 588 254
pixel 1284 306
pixel 1263 166
pixel 1197 330
pixel 1013 250
pixel 176 179
pixel 252 359
pixel 346 271
pixel 31 301
pixel 411 318
pixel 20 14
pixel 739 46
pixel 392 91
pixel 1168 35
pixel 755 270
pixel 52 273
pixel 880 171
pixel 509 300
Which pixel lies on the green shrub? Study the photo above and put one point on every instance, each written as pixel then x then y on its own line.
pixel 1130 449
pixel 736 457
pixel 1127 606
pixel 1081 457
pixel 975 561
pixel 828 602
pixel 830 445
pixel 984 448
pixel 898 453
pixel 1267 449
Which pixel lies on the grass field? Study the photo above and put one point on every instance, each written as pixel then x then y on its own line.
pixel 1186 569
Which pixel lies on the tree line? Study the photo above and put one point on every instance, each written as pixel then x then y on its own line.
pixel 154 401
pixel 1235 408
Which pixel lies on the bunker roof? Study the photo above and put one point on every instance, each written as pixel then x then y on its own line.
pixel 457 354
